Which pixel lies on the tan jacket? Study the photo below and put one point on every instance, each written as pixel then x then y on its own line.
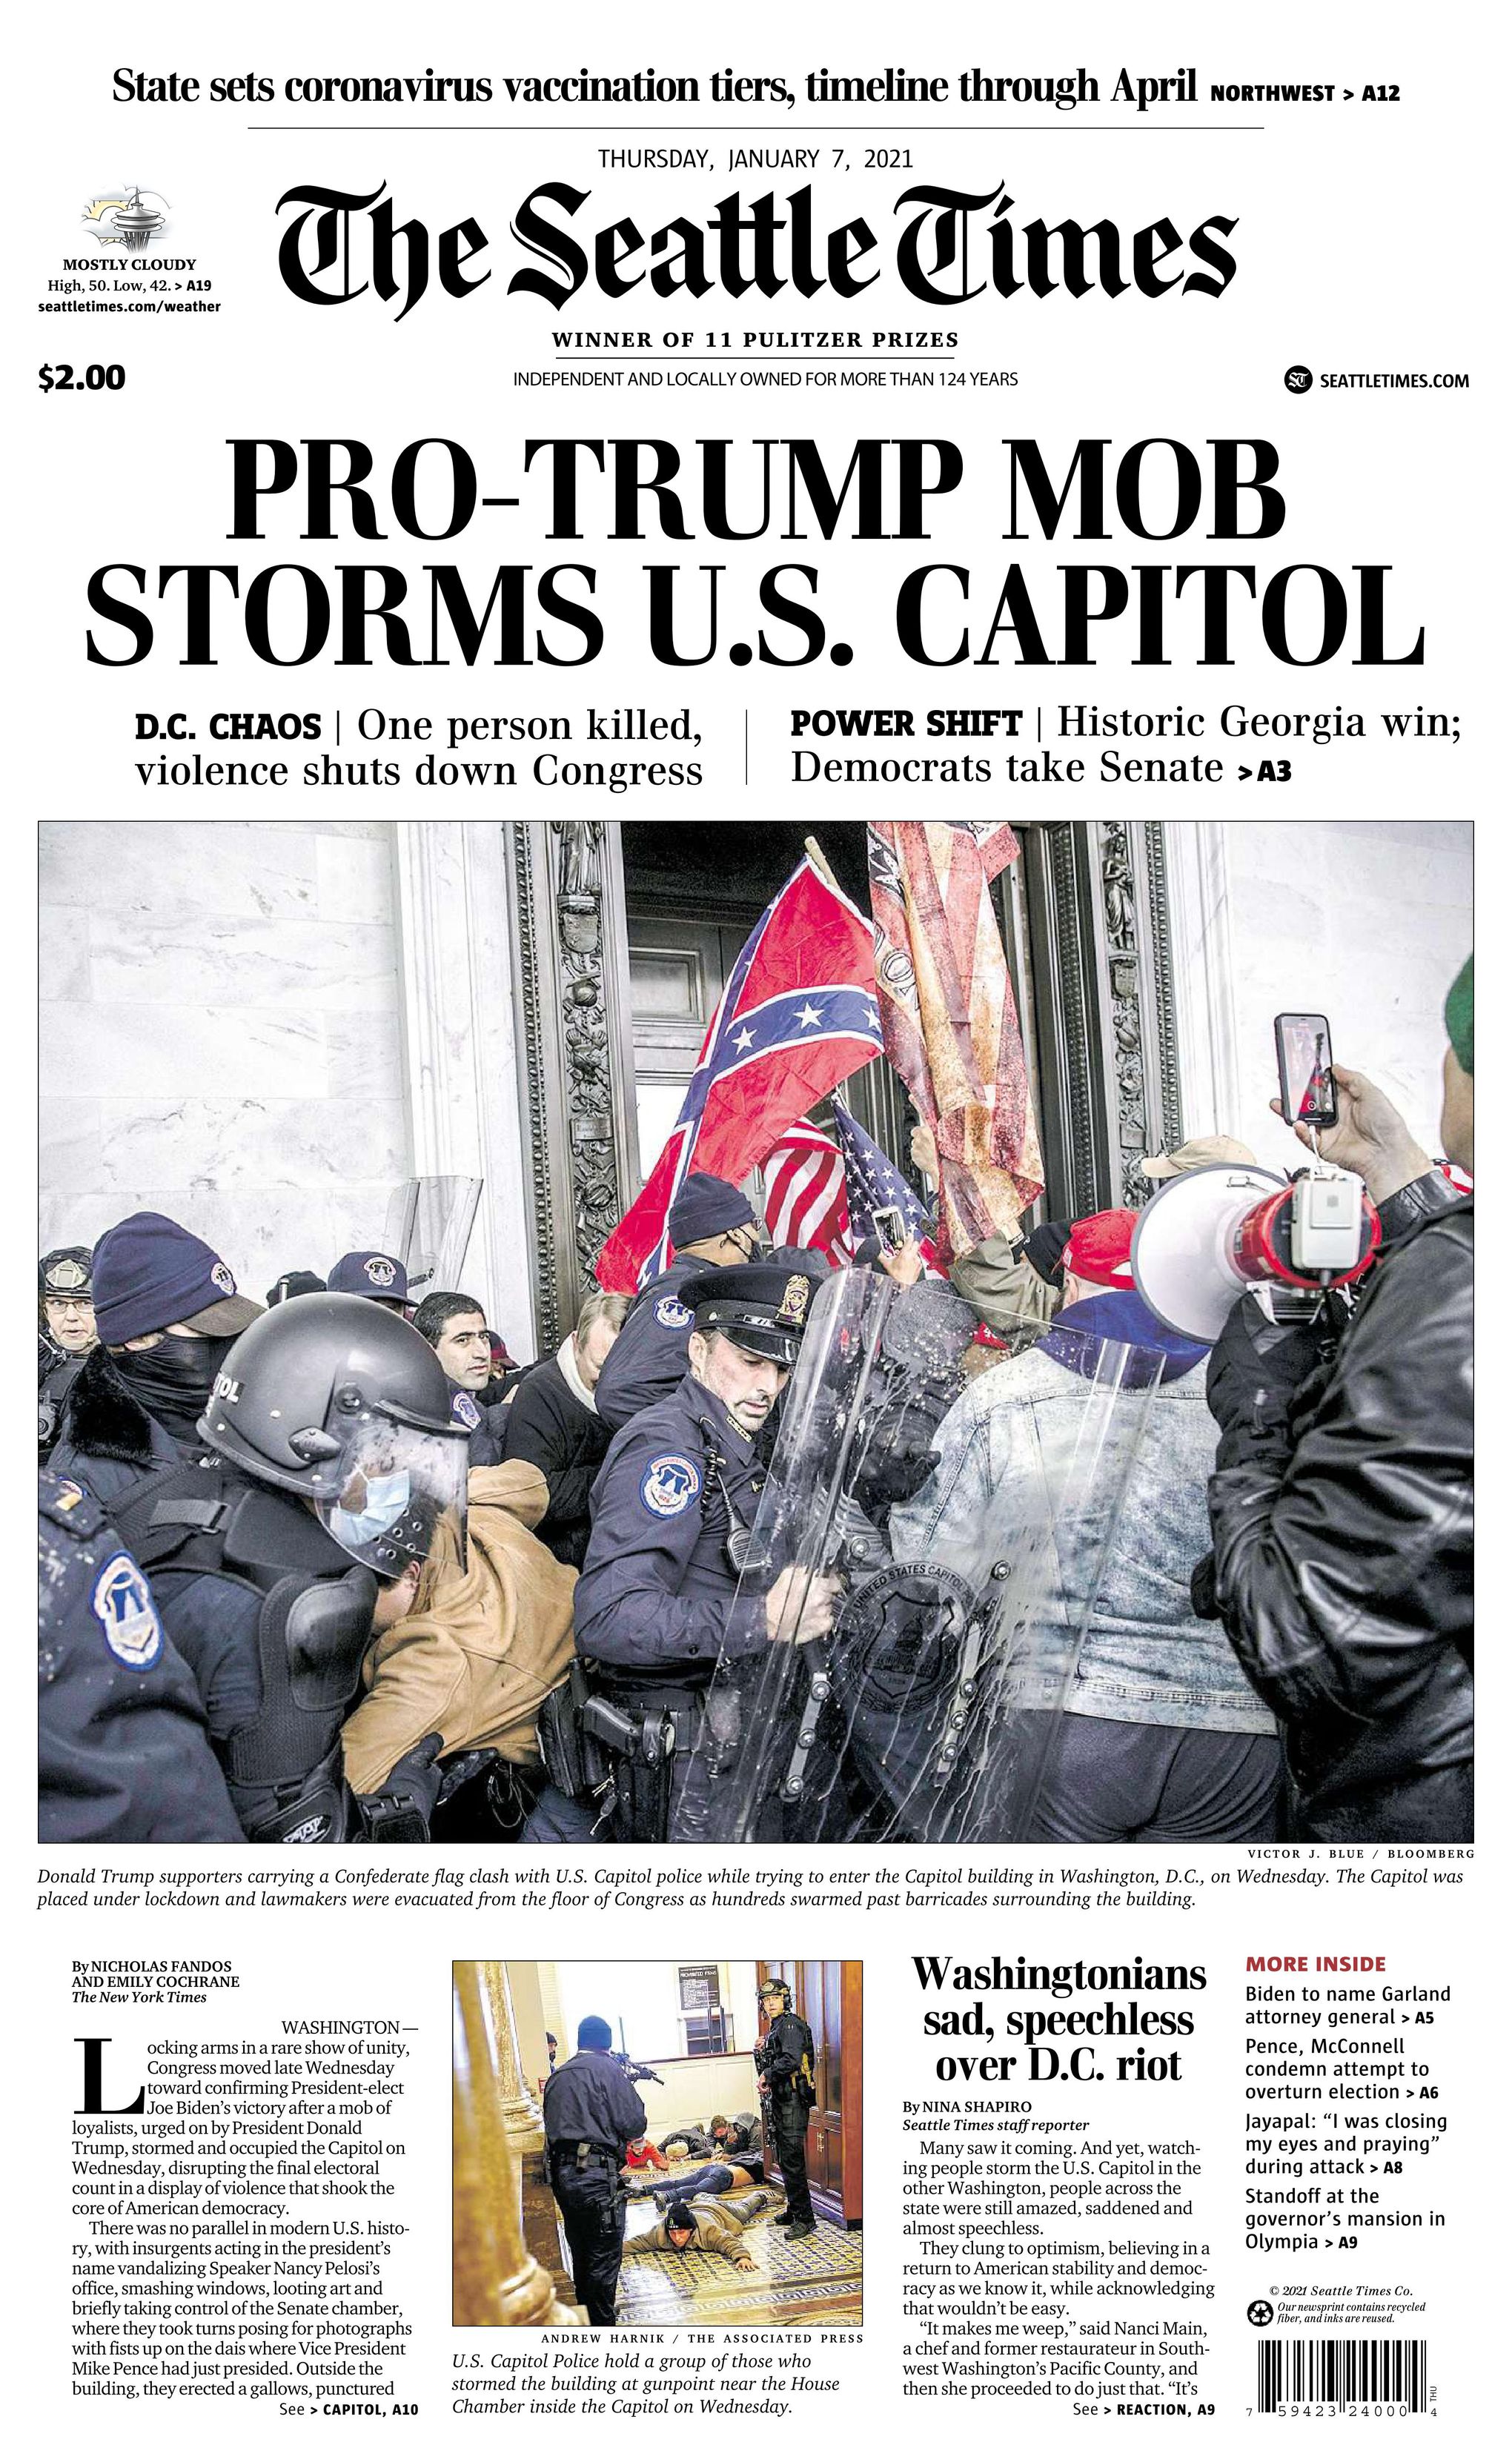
pixel 1001 1286
pixel 720 2231
pixel 482 1647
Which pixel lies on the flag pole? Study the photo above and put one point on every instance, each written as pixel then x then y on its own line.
pixel 820 862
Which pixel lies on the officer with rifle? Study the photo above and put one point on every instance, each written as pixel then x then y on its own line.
pixel 784 2067
pixel 591 2112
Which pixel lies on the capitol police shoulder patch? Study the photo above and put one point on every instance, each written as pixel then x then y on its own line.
pixel 672 1314
pixel 122 1602
pixel 466 1410
pixel 670 1484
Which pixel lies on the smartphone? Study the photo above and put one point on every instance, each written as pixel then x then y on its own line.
pixel 891 1227
pixel 1304 1063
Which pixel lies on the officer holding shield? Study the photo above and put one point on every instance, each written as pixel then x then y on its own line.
pixel 671 1513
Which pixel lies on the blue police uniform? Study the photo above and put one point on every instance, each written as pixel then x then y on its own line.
pixel 654 1597
pixel 591 2112
pixel 650 1357
pixel 123 1753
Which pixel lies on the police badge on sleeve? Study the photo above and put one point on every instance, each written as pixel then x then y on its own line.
pixel 122 1602
pixel 672 1314
pixel 670 1484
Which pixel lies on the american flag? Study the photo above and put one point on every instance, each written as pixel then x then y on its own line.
pixel 799 1015
pixel 873 1183
pixel 803 1192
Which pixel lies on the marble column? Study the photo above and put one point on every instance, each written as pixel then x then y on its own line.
pixel 495 2278
pixel 456 965
pixel 521 2113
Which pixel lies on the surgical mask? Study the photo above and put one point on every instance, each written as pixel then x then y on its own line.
pixel 174 1380
pixel 386 1498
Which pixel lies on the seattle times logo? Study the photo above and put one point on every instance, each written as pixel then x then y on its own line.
pixel 132 217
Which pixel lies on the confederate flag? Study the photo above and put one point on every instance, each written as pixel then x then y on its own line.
pixel 798 1014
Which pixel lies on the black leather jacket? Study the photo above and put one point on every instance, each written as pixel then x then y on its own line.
pixel 1343 1546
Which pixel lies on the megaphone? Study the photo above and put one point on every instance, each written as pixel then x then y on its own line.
pixel 1214 1233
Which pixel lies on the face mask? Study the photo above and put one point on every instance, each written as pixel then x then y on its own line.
pixel 386 1501
pixel 174 1379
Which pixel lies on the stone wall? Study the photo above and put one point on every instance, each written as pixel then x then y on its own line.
pixel 221 1035
pixel 1368 923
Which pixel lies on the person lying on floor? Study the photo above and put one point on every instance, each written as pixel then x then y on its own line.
pixel 711 2179
pixel 645 2156
pixel 714 2226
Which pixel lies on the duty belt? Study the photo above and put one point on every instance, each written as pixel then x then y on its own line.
pixel 580 2151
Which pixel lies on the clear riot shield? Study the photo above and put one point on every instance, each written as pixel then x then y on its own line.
pixel 922 1629
pixel 428 1225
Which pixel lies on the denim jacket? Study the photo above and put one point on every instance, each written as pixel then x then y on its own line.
pixel 1015 1451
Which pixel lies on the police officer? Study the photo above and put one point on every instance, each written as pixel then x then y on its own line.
pixel 711 1226
pixel 591 2112
pixel 123 1750
pixel 338 1467
pixel 784 2066
pixel 670 1512
pixel 369 1273
pixel 65 1312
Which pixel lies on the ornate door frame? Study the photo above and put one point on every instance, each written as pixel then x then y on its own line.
pixel 576 1064
pixel 1102 1007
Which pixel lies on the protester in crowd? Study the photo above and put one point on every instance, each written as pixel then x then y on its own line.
pixel 644 2155
pixel 471 1661
pixel 1342 1498
pixel 502 1374
pixel 713 2226
pixel 552 1423
pixel 167 1310
pixel 711 1226
pixel 369 1274
pixel 1162 1739
pixel 291 1285
pixel 1197 1152
pixel 729 2177
pixel 457 1329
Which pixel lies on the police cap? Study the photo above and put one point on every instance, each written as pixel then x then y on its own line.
pixel 65 1273
pixel 762 1307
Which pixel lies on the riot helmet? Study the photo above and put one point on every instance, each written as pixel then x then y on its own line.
pixel 338 1400
pixel 774 1989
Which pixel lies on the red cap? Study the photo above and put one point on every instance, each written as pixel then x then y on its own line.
pixel 1098 1249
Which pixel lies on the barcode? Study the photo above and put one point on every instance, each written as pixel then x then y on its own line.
pixel 1345 2374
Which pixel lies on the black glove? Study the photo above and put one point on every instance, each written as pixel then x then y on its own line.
pixel 886 1476
pixel 401 1809
pixel 1256 1371
pixel 1043 1248
pixel 1205 1587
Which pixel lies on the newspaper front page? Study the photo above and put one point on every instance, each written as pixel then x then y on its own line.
pixel 754 745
